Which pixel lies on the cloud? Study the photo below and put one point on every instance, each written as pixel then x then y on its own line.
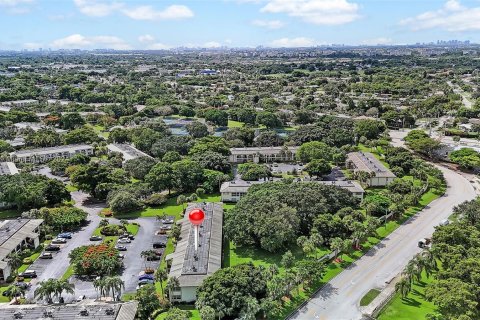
pixel 269 24
pixel 292 42
pixel 146 38
pixel 321 12
pixel 169 13
pixel 102 8
pixel 453 16
pixel 16 6
pixel 94 8
pixel 377 41
pixel 13 3
pixel 32 45
pixel 158 46
pixel 78 41
pixel 212 44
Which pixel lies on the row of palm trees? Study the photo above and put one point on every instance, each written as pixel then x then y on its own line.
pixel 53 288
pixel 424 261
pixel 107 285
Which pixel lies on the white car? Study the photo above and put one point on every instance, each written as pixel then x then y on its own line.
pixel 124 240
pixel 59 240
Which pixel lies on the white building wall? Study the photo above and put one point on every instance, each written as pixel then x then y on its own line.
pixel 189 294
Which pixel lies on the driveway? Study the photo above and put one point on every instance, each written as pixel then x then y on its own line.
pixel 339 299
pixel 56 267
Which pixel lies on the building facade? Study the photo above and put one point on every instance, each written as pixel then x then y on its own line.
pixel 42 155
pixel 380 176
pixel 263 154
pixel 192 265
pixel 16 235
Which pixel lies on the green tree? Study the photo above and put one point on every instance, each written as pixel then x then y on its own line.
pixel 161 177
pixel 148 301
pixel 318 168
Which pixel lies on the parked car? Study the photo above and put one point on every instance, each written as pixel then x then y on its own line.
pixel 124 240
pixel 159 244
pixel 52 247
pixel 96 238
pixel 59 240
pixel 121 256
pixel 65 235
pixel 46 255
pixel 28 274
pixel 127 236
pixel 168 220
pixel 145 276
pixel 166 227
pixel 159 252
pixel 23 285
pixel 120 248
pixel 80 298
pixel 145 281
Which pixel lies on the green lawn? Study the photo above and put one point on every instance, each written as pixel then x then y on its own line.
pixel 9 214
pixel 194 314
pixel 369 297
pixel 235 124
pixel 2 298
pixel 170 208
pixel 100 130
pixel 71 188
pixel 70 271
pixel 414 306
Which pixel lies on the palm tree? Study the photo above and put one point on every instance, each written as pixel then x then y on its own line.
pixel 428 261
pixel 404 286
pixel 172 284
pixel 15 291
pixel 145 255
pixel 14 261
pixel 100 286
pixel 124 224
pixel 336 245
pixel 160 276
pixel 45 290
pixel 115 284
pixel 60 286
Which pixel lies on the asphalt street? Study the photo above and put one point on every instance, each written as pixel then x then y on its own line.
pixel 339 299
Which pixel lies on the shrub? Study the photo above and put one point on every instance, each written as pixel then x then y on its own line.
pixel 124 202
pixel 155 200
pixel 99 259
pixel 63 218
pixel 111 230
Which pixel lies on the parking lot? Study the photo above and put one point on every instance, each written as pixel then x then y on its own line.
pixel 134 264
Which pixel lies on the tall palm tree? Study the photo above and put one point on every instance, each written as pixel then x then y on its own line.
pixel 62 285
pixel 14 292
pixel 160 276
pixel 428 261
pixel 115 284
pixel 404 286
pixel 14 261
pixel 45 290
pixel 100 286
pixel 172 283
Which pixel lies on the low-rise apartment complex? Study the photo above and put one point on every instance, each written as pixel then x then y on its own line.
pixel 14 236
pixel 42 155
pixel 263 154
pixel 128 152
pixel 233 191
pixel 192 266
pixel 380 176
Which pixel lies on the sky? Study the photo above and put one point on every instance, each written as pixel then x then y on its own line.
pixel 165 24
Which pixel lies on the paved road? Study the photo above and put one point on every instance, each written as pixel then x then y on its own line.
pixel 134 264
pixel 56 267
pixel 339 299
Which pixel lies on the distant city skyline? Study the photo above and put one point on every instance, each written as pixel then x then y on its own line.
pixel 153 25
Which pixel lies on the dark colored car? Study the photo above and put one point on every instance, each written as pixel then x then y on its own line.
pixel 46 255
pixel 96 238
pixel 52 247
pixel 28 274
pixel 145 276
pixel 159 244
pixel 120 248
pixel 65 235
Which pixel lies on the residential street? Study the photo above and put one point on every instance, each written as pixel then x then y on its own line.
pixel 339 299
